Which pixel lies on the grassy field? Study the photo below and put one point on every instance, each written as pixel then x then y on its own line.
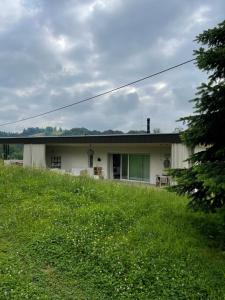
pixel 71 238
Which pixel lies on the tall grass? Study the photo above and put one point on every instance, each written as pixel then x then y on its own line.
pixel 75 238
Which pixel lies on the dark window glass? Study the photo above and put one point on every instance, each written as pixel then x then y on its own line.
pixel 90 160
pixel 124 166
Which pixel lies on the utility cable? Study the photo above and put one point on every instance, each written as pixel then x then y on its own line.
pixel 99 95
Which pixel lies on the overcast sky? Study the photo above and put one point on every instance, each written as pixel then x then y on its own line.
pixel 55 52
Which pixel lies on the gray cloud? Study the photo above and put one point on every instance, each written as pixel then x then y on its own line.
pixel 53 53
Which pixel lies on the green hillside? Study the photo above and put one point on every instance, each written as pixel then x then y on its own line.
pixel 70 238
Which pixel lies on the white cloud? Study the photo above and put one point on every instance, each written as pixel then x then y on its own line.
pixel 169 47
pixel 8 108
pixel 201 15
pixel 11 11
pixel 29 91
pixel 82 87
pixel 86 10
pixel 58 43
pixel 159 86
pixel 198 17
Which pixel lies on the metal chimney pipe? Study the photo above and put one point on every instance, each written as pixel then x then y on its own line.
pixel 148 125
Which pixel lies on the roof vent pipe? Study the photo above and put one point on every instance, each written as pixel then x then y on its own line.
pixel 148 125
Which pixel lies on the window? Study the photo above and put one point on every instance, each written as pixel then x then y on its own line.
pixel 90 154
pixel 90 160
pixel 56 162
pixel 166 163
pixel 124 166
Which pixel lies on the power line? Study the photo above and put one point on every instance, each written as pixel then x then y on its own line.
pixel 99 95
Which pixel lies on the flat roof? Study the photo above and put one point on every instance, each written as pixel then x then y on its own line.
pixel 95 139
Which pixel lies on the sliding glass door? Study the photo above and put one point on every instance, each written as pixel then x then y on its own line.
pixel 139 167
pixel 131 167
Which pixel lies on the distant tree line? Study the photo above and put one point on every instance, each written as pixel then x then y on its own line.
pixel 54 131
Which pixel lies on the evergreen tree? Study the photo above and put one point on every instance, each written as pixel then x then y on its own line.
pixel 204 182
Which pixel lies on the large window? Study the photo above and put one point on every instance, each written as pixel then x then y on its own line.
pixel 131 167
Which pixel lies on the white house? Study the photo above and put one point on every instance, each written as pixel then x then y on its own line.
pixel 136 157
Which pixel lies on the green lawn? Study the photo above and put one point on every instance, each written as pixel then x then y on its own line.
pixel 69 238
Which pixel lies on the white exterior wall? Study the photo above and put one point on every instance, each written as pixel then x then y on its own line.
pixel 179 153
pixel 34 155
pixel 27 155
pixel 199 149
pixel 74 156
pixel 39 156
pixel 71 156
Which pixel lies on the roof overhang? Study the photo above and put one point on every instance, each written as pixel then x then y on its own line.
pixel 96 139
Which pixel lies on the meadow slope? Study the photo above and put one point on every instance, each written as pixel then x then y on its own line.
pixel 75 238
